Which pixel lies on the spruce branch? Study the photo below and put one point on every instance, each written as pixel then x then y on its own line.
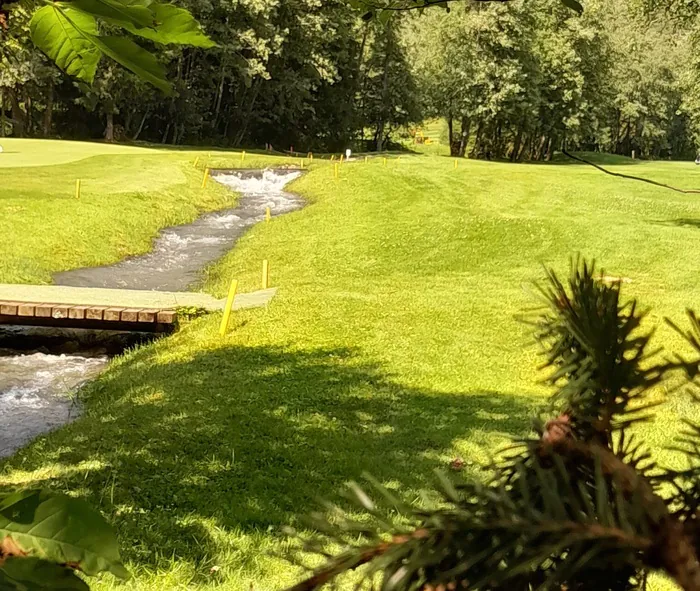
pixel 581 506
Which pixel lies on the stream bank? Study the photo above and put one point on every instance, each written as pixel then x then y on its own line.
pixel 41 369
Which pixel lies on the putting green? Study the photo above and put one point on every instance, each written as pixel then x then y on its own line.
pixel 27 152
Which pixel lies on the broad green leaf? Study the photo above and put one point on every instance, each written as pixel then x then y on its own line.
pixel 574 5
pixel 134 13
pixel 33 574
pixel 174 25
pixel 61 530
pixel 62 35
pixel 135 58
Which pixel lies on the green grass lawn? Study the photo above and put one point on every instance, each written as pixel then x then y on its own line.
pixel 391 346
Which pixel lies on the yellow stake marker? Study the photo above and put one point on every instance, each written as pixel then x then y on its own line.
pixel 267 214
pixel 228 308
pixel 384 161
pixel 242 155
pixel 310 155
pixel 335 170
pixel 366 159
pixel 265 274
pixel 77 189
pixel 455 163
pixel 205 178
pixel 301 163
pixel 341 158
pixel 332 157
pixel 196 161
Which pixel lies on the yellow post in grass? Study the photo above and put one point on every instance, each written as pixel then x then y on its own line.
pixel 205 178
pixel 384 161
pixel 332 157
pixel 301 162
pixel 266 274
pixel 196 161
pixel 267 214
pixel 242 155
pixel 77 189
pixel 366 159
pixel 310 155
pixel 455 163
pixel 335 170
pixel 341 158
pixel 228 308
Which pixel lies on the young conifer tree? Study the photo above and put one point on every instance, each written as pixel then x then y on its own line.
pixel 580 506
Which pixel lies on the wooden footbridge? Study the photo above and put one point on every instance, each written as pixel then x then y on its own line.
pixel 110 309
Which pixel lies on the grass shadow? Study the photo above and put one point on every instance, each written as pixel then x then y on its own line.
pixel 248 439
pixel 600 158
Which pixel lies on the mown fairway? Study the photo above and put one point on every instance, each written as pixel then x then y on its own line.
pixel 391 347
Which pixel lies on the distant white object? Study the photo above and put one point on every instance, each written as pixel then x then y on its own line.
pixel 347 154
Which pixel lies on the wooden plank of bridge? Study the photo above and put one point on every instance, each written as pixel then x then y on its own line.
pixel 125 309
pixel 61 297
pixel 8 308
pixel 77 312
pixel 26 310
pixel 130 315
pixel 95 313
pixel 43 311
pixel 112 314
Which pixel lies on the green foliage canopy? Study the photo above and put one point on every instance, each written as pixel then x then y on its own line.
pixel 69 33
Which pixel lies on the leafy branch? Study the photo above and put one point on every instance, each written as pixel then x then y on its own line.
pixel 69 33
pixel 45 538
pixel 383 8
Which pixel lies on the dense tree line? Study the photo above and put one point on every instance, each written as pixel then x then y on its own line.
pixel 521 80
pixel 300 73
pixel 515 80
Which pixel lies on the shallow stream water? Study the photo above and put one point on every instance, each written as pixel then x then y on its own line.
pixel 181 252
pixel 40 370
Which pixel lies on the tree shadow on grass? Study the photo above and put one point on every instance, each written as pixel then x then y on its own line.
pixel 680 222
pixel 248 439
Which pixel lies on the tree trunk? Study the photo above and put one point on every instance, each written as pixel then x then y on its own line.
pixel 3 117
pixel 219 98
pixel 246 116
pixel 477 141
pixel 48 113
pixel 451 135
pixel 514 155
pixel 539 150
pixel 140 129
pixel 165 135
pixel 29 121
pixel 385 92
pixel 548 152
pixel 361 78
pixel 464 136
pixel 109 126
pixel 18 116
pixel 523 149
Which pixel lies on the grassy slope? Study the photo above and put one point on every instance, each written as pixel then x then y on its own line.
pixel 391 347
pixel 31 153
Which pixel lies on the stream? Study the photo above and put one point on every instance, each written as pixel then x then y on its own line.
pixel 41 369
